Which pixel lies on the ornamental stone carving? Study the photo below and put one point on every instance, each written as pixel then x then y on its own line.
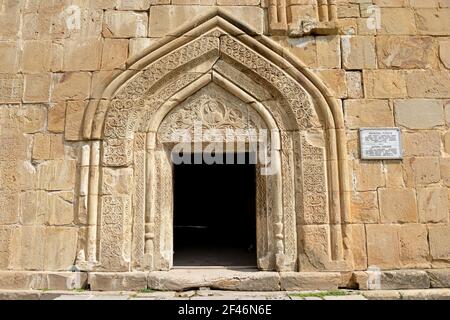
pixel 220 80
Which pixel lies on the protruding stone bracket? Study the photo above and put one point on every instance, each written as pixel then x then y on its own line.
pixel 283 19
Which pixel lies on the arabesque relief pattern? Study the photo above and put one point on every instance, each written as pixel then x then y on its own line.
pixel 146 110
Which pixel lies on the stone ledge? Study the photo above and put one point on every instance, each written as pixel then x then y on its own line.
pixel 26 280
pixel 181 280
pixel 439 278
pixel 222 279
pixel 392 280
pixel 301 281
pixel 127 281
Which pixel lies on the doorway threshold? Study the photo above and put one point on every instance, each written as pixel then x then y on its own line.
pixel 253 268
pixel 223 278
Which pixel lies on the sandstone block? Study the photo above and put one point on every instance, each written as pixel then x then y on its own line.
pixel 384 84
pixel 294 281
pixel 57 175
pixel 404 279
pixel 74 118
pixel 182 280
pixel 439 278
pixel 357 234
pixel 364 207
pixel 37 87
pixel 137 5
pixel 29 280
pixel 60 248
pixel 397 205
pixel 129 281
pixel 439 241
pixel 422 143
pixel 414 250
pixel 407 52
pixel 71 86
pixel 358 52
pixel 48 146
pixel 82 55
pixel 383 247
pixel 57 118
pixel 354 85
pixel 421 171
pixel 433 205
pixel 445 171
pixel 125 24
pixel 165 19
pixel 368 113
pixel 11 88
pixel 328 51
pixel 368 176
pixel 37 56
pixel 433 21
pixel 336 81
pixel 303 48
pixel 428 84
pixel 8 57
pixel 447 142
pixel 419 114
pixel 400 21
pixel 115 54
pixel 444 52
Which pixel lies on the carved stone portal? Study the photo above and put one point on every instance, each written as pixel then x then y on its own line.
pixel 221 77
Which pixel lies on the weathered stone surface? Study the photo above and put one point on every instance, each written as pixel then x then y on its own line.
pixel 164 19
pixel 28 280
pixel 406 52
pixel 128 281
pixel 404 279
pixel 430 294
pixel 293 281
pixel 414 250
pixel 82 55
pixel 444 52
pixel 433 21
pixel 397 205
pixel 439 278
pixel 421 171
pixel 433 205
pixel 439 241
pixel 358 53
pixel 365 207
pixel 419 114
pixel 357 233
pixel 399 21
pixel 71 86
pixel 368 113
pixel 125 24
pixel 181 280
pixel 382 84
pixel 422 143
pixel 428 84
pixel 74 117
pixel 383 247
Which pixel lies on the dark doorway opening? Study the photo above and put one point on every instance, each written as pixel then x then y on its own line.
pixel 215 213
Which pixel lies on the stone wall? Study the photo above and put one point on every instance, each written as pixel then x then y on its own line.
pixel 54 53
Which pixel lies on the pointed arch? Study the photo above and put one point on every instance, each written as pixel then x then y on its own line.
pixel 122 121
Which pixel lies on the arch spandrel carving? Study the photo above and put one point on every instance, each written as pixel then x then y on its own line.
pixel 157 95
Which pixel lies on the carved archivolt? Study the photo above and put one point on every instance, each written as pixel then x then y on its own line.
pixel 214 76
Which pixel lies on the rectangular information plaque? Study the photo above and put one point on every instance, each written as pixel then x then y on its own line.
pixel 381 144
